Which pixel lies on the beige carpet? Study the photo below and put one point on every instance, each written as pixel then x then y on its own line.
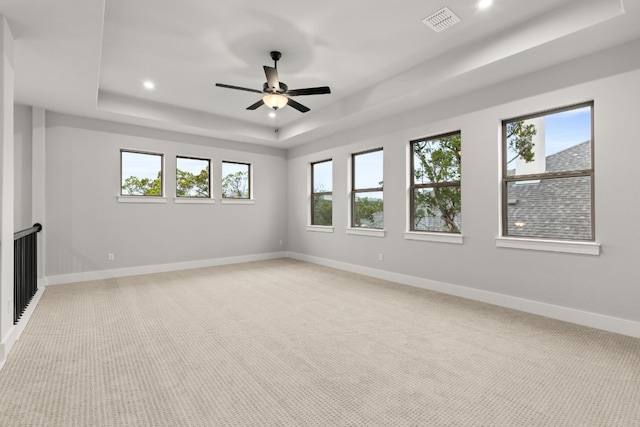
pixel 286 343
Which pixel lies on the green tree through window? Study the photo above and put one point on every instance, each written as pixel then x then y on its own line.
pixel 321 193
pixel 520 140
pixel 436 197
pixel 192 177
pixel 134 186
pixel 236 180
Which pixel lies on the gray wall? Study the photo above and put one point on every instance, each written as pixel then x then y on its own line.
pixel 605 284
pixel 85 222
pixel 22 168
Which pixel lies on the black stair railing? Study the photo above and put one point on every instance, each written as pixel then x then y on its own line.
pixel 25 269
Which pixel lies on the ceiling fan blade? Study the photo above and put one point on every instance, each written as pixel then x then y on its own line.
pixel 309 91
pixel 297 106
pixel 238 88
pixel 256 105
pixel 272 77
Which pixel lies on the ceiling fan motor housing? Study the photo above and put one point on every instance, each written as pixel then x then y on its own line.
pixel 267 89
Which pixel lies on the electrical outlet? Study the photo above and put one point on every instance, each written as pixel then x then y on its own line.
pixel 111 257
pixel 380 257
pixel 280 242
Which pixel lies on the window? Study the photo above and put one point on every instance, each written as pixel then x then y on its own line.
pixel 140 174
pixel 236 180
pixel 321 193
pixel 192 177
pixel 547 184
pixel 435 183
pixel 366 192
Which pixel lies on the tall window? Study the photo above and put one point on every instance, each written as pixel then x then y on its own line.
pixel 236 180
pixel 548 174
pixel 322 193
pixel 435 183
pixel 192 177
pixel 367 189
pixel 140 173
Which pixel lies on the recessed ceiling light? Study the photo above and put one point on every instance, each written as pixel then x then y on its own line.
pixel 483 4
pixel 272 114
pixel 148 84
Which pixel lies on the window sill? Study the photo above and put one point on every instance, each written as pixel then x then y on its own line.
pixel 434 237
pixel 572 247
pixel 320 228
pixel 141 199
pixel 371 232
pixel 193 200
pixel 237 201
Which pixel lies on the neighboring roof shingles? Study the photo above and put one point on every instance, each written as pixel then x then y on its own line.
pixel 558 208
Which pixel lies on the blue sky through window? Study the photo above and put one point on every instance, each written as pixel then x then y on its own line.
pixel 323 176
pixel 232 168
pixel 369 169
pixel 142 165
pixel 567 129
pixel 563 130
pixel 193 166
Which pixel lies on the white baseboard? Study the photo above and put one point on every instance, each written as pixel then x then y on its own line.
pixel 159 268
pixel 16 330
pixel 585 318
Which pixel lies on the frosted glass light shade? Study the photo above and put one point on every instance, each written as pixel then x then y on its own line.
pixel 275 101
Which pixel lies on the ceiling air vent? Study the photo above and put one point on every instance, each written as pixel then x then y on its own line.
pixel 441 20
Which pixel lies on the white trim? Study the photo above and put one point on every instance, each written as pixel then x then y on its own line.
pixel 193 201
pixel 16 330
pixel 237 201
pixel 320 228
pixel 141 199
pixel 310 192
pixel 572 247
pixel 584 318
pixel 38 184
pixel 434 237
pixel 158 268
pixel 371 232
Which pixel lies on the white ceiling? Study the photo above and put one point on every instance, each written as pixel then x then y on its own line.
pixel 90 57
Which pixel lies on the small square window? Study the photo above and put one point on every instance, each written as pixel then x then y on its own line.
pixel 141 174
pixel 236 180
pixel 193 177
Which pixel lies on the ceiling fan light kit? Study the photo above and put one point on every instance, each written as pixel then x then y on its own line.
pixel 277 94
pixel 275 101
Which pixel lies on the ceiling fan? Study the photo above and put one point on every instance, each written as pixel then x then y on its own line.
pixel 276 93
